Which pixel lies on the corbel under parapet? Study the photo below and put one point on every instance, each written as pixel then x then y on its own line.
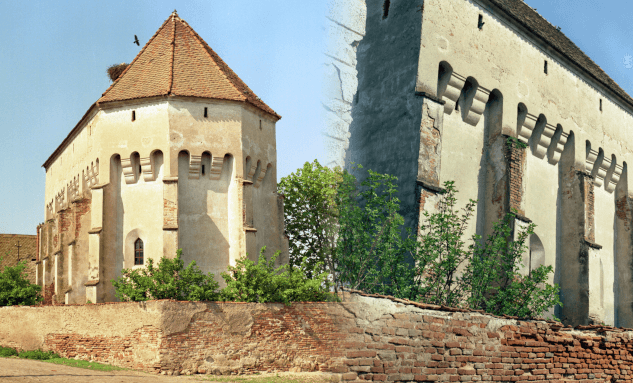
pixel 545 140
pixel 615 178
pixel 128 170
pixel 147 169
pixel 251 170
pixel 558 149
pixel 590 161
pixel 453 91
pixel 260 176
pixel 194 167
pixel 478 106
pixel 216 167
pixel 605 164
pixel 527 128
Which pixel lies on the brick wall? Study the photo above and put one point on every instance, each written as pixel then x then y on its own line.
pixel 516 158
pixel 363 338
pixel 28 252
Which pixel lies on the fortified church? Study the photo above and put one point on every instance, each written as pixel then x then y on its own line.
pixel 177 153
pixel 436 90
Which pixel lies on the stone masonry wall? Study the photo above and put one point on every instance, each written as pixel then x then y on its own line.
pixel 362 338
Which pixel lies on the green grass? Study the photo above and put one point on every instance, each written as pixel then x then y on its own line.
pixel 7 351
pixel 84 364
pixel 266 379
pixel 51 357
pixel 37 355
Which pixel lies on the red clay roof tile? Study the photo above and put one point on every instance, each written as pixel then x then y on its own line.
pixel 177 61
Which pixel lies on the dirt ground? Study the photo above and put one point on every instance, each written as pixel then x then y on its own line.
pixel 28 371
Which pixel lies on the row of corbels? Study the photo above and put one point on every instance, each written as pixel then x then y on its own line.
pixel 74 188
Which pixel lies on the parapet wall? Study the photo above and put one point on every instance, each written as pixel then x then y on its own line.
pixel 362 338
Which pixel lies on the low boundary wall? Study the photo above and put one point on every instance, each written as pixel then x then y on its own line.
pixel 363 338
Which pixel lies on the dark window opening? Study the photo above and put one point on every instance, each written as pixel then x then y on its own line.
pixel 206 112
pixel 480 22
pixel 202 169
pixel 601 105
pixel 138 252
pixel 385 9
pixel 545 68
pixel 260 124
pixel 134 115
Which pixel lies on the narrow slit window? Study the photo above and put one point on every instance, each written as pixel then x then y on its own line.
pixel 385 9
pixel 134 115
pixel 138 252
pixel 206 112
pixel 480 22
pixel 601 105
pixel 202 169
pixel 260 124
pixel 545 67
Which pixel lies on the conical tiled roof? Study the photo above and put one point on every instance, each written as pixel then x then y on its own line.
pixel 176 61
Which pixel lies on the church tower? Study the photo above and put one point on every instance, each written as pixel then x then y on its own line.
pixel 177 153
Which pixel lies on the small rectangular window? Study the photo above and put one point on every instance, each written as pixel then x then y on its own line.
pixel 601 105
pixel 206 112
pixel 545 67
pixel 260 124
pixel 385 9
pixel 202 169
pixel 133 115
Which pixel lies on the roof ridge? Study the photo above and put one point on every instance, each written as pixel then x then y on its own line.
pixel 173 52
pixel 139 54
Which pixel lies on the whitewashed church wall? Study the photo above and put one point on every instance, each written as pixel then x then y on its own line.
pixel 203 217
pixel 602 261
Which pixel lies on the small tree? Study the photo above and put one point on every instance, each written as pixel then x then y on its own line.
pixel 15 288
pixel 170 280
pixel 248 281
pixel 490 279
pixel 371 254
pixel 310 216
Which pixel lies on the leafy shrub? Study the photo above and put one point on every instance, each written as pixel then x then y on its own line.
pixel 38 355
pixel 372 254
pixel 248 281
pixel 170 280
pixel 490 279
pixel 7 351
pixel 15 289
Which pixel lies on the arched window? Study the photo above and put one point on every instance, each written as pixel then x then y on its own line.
pixel 138 252
pixel 537 253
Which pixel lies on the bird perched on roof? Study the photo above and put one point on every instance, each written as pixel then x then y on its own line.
pixel 136 41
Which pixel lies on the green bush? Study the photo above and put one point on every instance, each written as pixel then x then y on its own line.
pixel 248 281
pixel 7 351
pixel 170 280
pixel 489 279
pixel 38 355
pixel 15 289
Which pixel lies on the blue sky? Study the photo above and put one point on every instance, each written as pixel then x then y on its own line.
pixel 53 58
